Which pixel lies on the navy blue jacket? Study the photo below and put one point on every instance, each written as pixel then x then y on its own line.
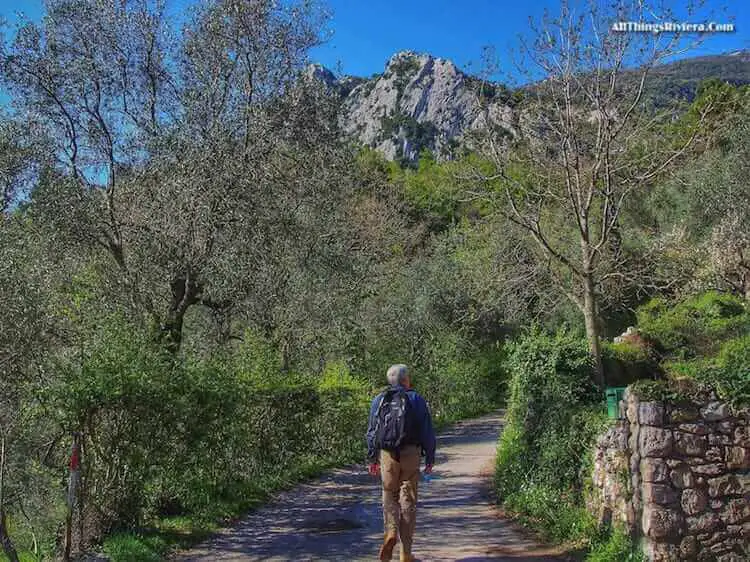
pixel 424 421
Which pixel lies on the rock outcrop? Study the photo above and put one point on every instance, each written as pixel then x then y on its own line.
pixel 422 101
pixel 418 102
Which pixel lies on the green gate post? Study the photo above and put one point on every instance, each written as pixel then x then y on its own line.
pixel 614 395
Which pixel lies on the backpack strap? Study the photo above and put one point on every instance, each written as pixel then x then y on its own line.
pixel 377 410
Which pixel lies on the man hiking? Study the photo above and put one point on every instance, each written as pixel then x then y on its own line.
pixel 398 432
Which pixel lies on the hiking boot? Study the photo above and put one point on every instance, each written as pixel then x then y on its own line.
pixel 407 558
pixel 389 542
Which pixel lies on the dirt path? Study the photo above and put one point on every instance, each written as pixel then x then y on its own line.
pixel 338 517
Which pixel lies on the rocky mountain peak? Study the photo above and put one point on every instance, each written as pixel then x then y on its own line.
pixel 319 72
pixel 420 101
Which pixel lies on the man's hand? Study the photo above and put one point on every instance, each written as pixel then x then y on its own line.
pixel 373 468
pixel 428 469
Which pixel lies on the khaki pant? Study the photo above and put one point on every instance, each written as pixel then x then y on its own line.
pixel 400 478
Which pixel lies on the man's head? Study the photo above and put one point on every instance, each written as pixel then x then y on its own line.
pixel 399 374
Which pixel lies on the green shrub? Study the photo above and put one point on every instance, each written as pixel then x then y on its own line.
pixel 460 379
pixel 133 548
pixel 704 339
pixel 563 449
pixel 551 378
pixel 554 413
pixel 730 374
pixel 617 547
pixel 559 517
pixel 207 438
pixel 626 362
pixel 694 327
pixel 23 557
pixel 686 369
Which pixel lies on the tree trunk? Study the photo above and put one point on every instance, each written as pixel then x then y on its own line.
pixel 8 549
pixel 590 315
pixel 184 294
pixel 7 544
pixel 171 331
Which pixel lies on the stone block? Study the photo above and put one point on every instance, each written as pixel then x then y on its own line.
pixel 651 413
pixel 736 511
pixel 681 414
pixel 715 538
pixel 661 552
pixel 713 469
pixel 726 427
pixel 714 454
pixel 620 433
pixel 682 477
pixel 731 557
pixel 694 501
pixel 698 428
pixel 615 486
pixel 742 531
pixel 688 547
pixel 715 411
pixel 690 444
pixel 716 439
pixel 660 494
pixel 738 458
pixel 631 406
pixel 729 485
pixel 654 441
pixel 742 436
pixel 723 547
pixel 703 523
pixel 661 523
pixel 654 470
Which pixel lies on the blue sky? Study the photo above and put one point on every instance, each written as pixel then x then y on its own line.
pixel 366 33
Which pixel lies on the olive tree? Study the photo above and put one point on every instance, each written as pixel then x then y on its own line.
pixel 26 329
pixel 586 141
pixel 196 159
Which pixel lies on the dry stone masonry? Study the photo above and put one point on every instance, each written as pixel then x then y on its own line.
pixel 677 476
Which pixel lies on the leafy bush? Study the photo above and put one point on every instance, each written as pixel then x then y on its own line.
pixel 559 517
pixel 694 327
pixel 554 413
pixel 460 380
pixel 730 373
pixel 23 557
pixel 703 339
pixel 618 546
pixel 626 362
pixel 133 548
pixel 457 377
pixel 168 436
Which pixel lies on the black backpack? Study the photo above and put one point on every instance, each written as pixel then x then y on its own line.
pixel 395 423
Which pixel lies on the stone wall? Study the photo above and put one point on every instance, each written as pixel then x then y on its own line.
pixel 678 478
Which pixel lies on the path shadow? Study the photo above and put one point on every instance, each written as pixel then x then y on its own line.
pixel 472 432
pixel 338 517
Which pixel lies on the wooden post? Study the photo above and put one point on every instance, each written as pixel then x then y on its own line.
pixel 73 485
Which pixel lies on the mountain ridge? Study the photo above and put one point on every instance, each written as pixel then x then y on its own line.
pixel 421 101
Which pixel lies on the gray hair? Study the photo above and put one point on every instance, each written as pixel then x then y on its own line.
pixel 397 374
